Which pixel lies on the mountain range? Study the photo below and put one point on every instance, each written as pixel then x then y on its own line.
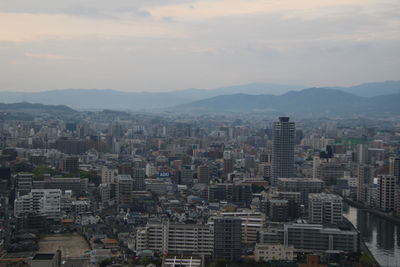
pixel 313 102
pixel 28 111
pixel 94 99
pixel 373 89
pixel 29 107
pixel 367 99
pixel 97 99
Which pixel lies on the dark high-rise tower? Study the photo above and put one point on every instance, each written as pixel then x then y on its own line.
pixel 227 238
pixel 283 132
pixel 394 168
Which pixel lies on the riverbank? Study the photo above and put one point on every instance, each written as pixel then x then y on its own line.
pixel 384 215
pixel 363 247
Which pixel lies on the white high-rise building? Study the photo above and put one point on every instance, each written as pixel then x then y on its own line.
pixel 365 183
pixel 316 162
pixel 325 208
pixel 386 193
pixel 227 154
pixel 108 175
pixel 283 132
pixel 46 202
pixel 176 238
pixel 362 154
pixel 151 170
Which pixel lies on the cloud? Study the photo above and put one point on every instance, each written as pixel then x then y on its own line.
pixel 91 8
pixel 31 27
pixel 162 45
pixel 52 56
pixel 83 11
pixel 224 8
pixel 133 11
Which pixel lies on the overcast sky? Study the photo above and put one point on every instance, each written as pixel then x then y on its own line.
pixel 160 45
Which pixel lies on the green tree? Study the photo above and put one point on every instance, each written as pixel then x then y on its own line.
pixel 366 260
pixel 91 175
pixel 40 171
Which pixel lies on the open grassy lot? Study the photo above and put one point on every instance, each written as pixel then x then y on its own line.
pixel 71 245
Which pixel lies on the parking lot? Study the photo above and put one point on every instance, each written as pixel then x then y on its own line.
pixel 71 245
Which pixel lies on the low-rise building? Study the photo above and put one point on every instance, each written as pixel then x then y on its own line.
pixel 303 185
pixel 268 252
pixel 252 223
pixel 312 237
pixel 186 239
pixel 45 202
pixel 175 261
pixel 325 208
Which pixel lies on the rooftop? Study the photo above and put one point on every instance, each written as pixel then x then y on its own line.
pixel 44 256
pixel 324 196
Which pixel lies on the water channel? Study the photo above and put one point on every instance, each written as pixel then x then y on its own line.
pixel 381 236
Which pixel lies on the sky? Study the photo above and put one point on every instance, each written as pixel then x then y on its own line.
pixel 162 45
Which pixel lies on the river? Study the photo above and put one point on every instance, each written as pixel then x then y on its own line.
pixel 381 236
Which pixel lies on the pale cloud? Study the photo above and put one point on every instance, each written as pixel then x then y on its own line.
pixel 22 27
pixel 165 45
pixel 52 56
pixel 211 9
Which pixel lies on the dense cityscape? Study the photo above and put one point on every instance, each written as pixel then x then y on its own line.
pixel 200 133
pixel 113 188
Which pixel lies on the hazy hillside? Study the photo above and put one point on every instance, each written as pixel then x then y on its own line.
pixel 35 107
pixel 250 89
pixel 28 111
pixel 308 102
pixel 374 89
pixel 112 99
pixel 90 99
pixel 97 99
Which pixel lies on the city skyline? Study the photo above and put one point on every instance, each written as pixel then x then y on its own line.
pixel 197 189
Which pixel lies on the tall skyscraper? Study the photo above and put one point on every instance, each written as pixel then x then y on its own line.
pixel 283 132
pixel 394 168
pixel 362 154
pixel 186 175
pixel 228 166
pixel 203 174
pixel 365 176
pixel 124 189
pixel 386 192
pixel 138 176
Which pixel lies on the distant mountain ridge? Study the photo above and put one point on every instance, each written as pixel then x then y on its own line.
pixel 98 99
pixel 24 106
pixel 90 99
pixel 373 89
pixel 308 102
pixel 27 111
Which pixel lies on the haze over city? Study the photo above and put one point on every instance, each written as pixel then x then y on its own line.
pixel 159 45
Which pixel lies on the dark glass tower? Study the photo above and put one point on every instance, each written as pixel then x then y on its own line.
pixel 227 238
pixel 283 133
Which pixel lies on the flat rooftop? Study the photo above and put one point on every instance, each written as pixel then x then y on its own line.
pixel 44 256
